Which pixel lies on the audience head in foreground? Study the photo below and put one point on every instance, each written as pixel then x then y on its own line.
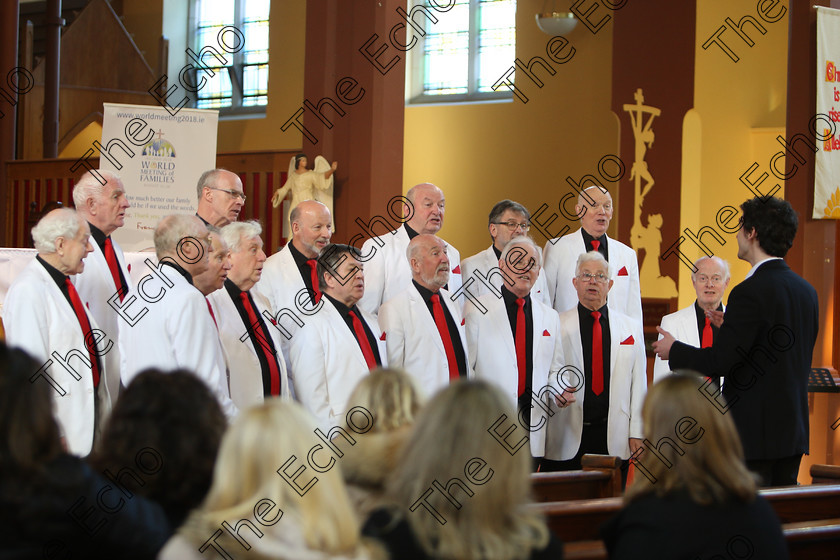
pixel 452 440
pixel 313 521
pixel 390 396
pixel 696 499
pixel 41 484
pixel 172 425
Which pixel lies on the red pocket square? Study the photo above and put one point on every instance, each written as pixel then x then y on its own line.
pixel 463 321
pixel 382 337
pixel 623 271
pixel 129 268
pixel 546 333
pixel 628 340
pixel 457 270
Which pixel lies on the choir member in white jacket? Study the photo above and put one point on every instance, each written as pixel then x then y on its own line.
pixel 45 316
pixel 169 323
pixel 106 275
pixel 339 344
pixel 250 340
pixel 423 328
pixel 514 341
pixel 480 272
pixel 386 271
pixel 220 197
pixel 595 208
pixel 698 324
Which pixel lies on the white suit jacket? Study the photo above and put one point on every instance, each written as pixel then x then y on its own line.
pixel 176 331
pixel 481 264
pixel 95 286
pixel 40 320
pixel 388 273
pixel 560 259
pixel 328 363
pixel 281 283
pixel 413 341
pixel 246 382
pixel 628 386
pixel 683 325
pixel 493 356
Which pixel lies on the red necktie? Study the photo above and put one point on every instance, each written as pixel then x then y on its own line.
pixel 313 271
pixel 519 339
pixel 262 343
pixel 595 244
pixel 82 317
pixel 597 355
pixel 707 335
pixel 445 336
pixel 364 344
pixel 213 315
pixel 113 265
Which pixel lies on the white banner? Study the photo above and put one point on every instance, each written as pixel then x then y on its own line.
pixel 827 168
pixel 159 158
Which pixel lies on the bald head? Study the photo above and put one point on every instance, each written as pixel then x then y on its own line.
pixel 220 197
pixel 311 227
pixel 428 205
pixel 429 262
pixel 595 208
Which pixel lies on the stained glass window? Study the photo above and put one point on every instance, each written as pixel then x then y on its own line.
pixel 464 52
pixel 243 80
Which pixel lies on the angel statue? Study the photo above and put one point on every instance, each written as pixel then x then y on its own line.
pixel 306 184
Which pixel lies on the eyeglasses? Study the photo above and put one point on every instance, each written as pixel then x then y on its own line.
pixel 715 280
pixel 513 225
pixel 234 194
pixel 587 277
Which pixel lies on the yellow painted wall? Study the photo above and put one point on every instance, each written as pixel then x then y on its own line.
pixel 484 152
pixel 739 110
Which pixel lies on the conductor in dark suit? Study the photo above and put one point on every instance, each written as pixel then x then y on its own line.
pixel 764 347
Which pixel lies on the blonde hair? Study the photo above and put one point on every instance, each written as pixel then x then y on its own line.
pixel 453 430
pixel 711 468
pixel 256 448
pixel 390 396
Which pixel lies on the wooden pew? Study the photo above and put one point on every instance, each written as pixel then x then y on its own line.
pixel 825 474
pixel 810 517
pixel 600 478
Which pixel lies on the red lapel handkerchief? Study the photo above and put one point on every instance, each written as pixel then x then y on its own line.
pixel 623 271
pixel 628 340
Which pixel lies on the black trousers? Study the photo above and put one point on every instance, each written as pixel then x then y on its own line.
pixel 593 439
pixel 777 472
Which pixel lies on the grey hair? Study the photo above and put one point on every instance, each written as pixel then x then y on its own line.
pixel 216 233
pixel 720 261
pixel 503 206
pixel 592 256
pixel 233 233
pixel 519 241
pixel 63 222
pixel 208 179
pixel 88 186
pixel 172 229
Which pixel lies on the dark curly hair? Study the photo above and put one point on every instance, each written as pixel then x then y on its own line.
pixel 775 222
pixel 162 439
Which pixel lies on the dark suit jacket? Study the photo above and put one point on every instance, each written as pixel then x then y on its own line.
pixel 763 351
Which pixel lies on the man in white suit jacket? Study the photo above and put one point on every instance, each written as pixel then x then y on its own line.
pixel 710 280
pixel 106 276
pixel 169 323
pixel 40 319
pixel 386 271
pixel 606 414
pixel 339 344
pixel 409 322
pixel 251 343
pixel 498 355
pixel 288 281
pixel 220 197
pixel 480 272
pixel 561 254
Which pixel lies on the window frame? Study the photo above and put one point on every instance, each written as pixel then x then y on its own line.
pixel 415 74
pixel 235 68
